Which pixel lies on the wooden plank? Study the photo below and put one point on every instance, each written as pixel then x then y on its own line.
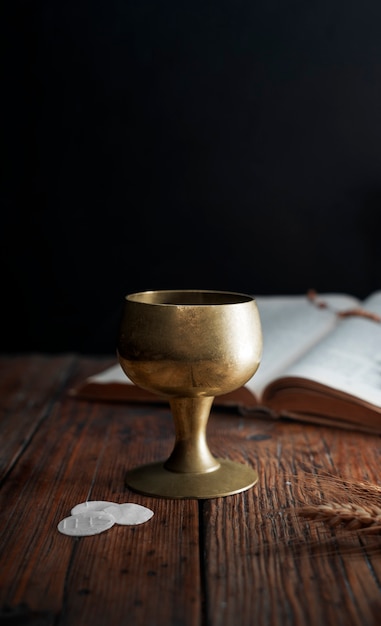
pixel 149 574
pixel 29 387
pixel 263 562
pixel 152 572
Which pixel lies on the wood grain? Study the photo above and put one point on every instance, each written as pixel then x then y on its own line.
pixel 270 566
pixel 245 559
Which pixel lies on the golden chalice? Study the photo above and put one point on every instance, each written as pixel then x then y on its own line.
pixel 189 346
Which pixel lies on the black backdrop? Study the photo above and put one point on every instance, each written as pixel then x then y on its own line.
pixel 195 144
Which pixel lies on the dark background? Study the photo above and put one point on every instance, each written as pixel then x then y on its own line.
pixel 195 144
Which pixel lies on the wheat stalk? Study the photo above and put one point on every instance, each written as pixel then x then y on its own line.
pixel 331 488
pixel 348 516
pixel 364 490
pixel 339 502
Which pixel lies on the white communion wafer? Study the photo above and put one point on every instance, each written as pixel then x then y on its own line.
pixel 129 513
pixel 87 523
pixel 91 505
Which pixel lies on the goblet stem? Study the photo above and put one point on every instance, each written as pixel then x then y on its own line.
pixel 191 453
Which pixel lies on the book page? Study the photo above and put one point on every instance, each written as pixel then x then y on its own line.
pixel 113 374
pixel 291 326
pixel 348 359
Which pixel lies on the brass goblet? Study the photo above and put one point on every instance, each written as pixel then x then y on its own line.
pixel 190 346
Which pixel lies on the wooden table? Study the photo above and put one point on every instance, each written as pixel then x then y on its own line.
pixel 247 559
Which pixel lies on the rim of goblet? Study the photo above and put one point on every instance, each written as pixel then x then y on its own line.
pixel 188 297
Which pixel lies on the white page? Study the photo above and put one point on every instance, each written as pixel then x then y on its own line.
pixel 291 325
pixel 350 358
pixel 113 374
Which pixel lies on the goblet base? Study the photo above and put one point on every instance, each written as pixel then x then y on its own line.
pixel 155 480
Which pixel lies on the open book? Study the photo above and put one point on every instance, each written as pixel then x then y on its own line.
pixel 321 363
